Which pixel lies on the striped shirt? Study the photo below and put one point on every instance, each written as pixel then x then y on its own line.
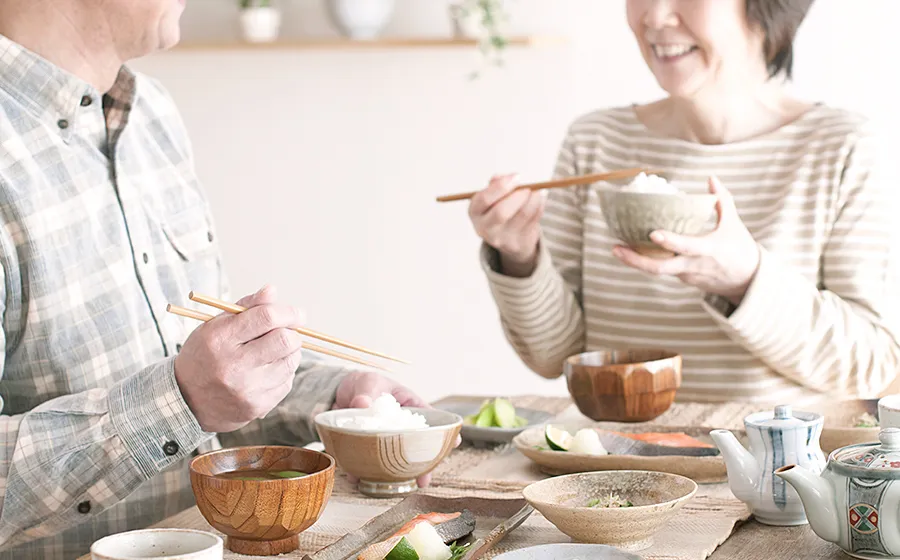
pixel 102 223
pixel 820 318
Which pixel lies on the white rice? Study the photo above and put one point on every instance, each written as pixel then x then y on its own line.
pixel 644 183
pixel 385 414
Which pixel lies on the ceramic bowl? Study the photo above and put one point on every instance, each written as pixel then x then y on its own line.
pixel 482 437
pixel 162 544
pixel 387 463
pixel 262 517
pixel 633 216
pixel 568 551
pixel 623 385
pixel 656 498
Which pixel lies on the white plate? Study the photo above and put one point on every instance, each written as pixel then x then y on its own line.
pixel 568 552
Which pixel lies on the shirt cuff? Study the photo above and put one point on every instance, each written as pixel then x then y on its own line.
pixel 768 316
pixel 153 419
pixel 525 287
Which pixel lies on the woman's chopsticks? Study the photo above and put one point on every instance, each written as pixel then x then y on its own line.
pixel 559 183
pixel 200 316
pixel 232 308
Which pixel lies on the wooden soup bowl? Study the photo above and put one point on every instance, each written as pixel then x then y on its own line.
pixel 262 517
pixel 623 385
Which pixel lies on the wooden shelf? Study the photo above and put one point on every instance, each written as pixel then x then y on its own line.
pixel 345 44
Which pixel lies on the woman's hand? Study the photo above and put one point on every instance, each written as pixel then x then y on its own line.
pixel 722 262
pixel 509 222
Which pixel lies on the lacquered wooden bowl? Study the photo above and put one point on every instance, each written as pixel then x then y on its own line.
pixel 623 385
pixel 388 462
pixel 262 517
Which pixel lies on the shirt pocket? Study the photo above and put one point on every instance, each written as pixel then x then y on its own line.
pixel 191 234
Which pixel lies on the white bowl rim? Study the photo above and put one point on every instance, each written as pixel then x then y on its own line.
pixel 455 420
pixel 216 542
pixel 693 485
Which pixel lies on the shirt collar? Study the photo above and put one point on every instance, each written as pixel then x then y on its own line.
pixel 49 92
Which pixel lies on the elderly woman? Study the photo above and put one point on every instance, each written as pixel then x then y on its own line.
pixel 792 297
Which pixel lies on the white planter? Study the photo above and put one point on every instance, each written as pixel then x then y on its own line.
pixel 260 25
pixel 466 26
pixel 361 19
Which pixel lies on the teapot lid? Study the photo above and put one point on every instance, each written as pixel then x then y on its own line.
pixel 883 456
pixel 782 417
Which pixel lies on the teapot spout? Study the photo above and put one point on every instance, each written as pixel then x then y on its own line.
pixel 743 469
pixel 817 496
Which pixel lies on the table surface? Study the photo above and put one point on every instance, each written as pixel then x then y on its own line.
pixel 749 541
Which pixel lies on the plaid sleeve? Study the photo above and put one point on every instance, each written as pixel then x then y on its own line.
pixel 291 422
pixel 75 456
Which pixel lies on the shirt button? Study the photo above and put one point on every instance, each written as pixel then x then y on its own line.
pixel 170 448
pixel 209 235
pixel 146 258
pixel 63 124
pixel 84 507
pixel 86 101
pixel 178 348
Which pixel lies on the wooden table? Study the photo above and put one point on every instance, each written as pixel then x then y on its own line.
pixel 750 541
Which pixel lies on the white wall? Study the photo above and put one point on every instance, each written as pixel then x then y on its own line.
pixel 322 166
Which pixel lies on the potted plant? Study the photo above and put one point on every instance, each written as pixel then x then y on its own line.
pixel 483 21
pixel 260 21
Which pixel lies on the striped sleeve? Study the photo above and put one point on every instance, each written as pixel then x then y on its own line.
pixel 542 315
pixel 840 337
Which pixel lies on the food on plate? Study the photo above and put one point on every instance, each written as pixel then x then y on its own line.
pixel 609 501
pixel 673 439
pixel 655 184
pixel 384 414
pixel 586 441
pixel 430 536
pixel 866 420
pixel 496 413
pixel 260 474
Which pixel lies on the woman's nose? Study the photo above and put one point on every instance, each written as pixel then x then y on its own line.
pixel 660 14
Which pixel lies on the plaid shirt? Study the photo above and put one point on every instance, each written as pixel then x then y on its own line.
pixel 103 223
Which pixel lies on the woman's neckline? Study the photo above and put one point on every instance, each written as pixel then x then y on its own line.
pixel 788 127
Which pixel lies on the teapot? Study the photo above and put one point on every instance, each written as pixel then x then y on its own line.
pixel 777 438
pixel 855 502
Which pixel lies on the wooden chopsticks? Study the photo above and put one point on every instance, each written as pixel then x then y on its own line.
pixel 560 183
pixel 200 316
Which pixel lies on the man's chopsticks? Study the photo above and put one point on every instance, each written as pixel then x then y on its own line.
pixel 560 183
pixel 200 316
pixel 232 308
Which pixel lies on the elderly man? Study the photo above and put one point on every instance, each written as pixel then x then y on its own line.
pixel 103 223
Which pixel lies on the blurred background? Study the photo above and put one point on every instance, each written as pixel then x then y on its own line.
pixel 322 159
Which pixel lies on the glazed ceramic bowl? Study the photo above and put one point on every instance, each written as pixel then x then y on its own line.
pixel 262 517
pixel 483 437
pixel 623 385
pixel 388 462
pixel 633 216
pixel 164 544
pixel 655 496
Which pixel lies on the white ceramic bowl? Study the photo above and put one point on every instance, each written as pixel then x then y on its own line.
pixel 889 411
pixel 161 544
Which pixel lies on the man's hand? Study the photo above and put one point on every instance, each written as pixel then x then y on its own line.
pixel 236 368
pixel 359 389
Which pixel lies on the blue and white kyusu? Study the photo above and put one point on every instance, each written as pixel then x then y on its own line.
pixel 777 438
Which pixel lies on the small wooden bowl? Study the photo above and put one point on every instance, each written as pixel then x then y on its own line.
pixel 262 517
pixel 623 385
pixel 387 463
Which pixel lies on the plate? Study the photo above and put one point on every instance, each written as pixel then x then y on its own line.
pixel 486 437
pixel 494 520
pixel 572 551
pixel 839 430
pixel 701 469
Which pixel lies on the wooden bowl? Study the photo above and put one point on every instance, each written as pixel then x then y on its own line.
pixel 655 496
pixel 623 385
pixel 633 216
pixel 387 463
pixel 262 517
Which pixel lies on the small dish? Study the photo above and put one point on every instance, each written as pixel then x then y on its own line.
pixel 655 496
pixel 623 385
pixel 568 551
pixel 479 436
pixel 388 462
pixel 162 544
pixel 262 517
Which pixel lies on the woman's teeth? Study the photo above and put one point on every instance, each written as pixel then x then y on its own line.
pixel 671 51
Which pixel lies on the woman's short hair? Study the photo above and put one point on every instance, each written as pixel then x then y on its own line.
pixel 779 21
